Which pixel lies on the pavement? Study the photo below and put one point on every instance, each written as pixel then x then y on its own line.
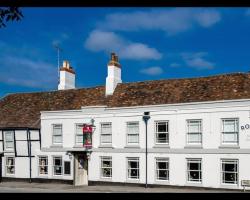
pixel 24 187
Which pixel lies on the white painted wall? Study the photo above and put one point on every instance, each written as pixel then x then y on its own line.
pixel 211 151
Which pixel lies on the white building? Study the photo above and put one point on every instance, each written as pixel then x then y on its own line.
pixel 179 132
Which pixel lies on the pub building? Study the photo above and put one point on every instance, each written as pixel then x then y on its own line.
pixel 190 132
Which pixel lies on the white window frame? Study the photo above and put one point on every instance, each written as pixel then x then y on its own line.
pixel 237 172
pixel 106 158
pixel 105 134
pixel 78 134
pixel 161 159
pixel 156 131
pixel 194 160
pixel 39 166
pixel 198 133
pixel 5 141
pixel 223 132
pixel 53 134
pixel 134 134
pixel 53 160
pixel 7 165
pixel 133 159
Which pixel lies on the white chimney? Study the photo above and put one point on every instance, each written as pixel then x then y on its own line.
pixel 114 74
pixel 67 77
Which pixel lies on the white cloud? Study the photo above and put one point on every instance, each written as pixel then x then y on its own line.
pixel 197 60
pixel 26 72
pixel 111 42
pixel 171 21
pixel 153 71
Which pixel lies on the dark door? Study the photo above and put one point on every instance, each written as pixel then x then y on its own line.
pixel 0 168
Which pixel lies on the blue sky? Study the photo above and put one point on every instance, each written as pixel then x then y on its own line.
pixel 152 43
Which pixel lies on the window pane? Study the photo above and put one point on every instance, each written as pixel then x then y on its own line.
pixel 57 129
pixel 9 136
pixel 9 145
pixel 10 165
pixel 106 138
pixel 230 137
pixel 230 125
pixel 194 170
pixel 57 139
pixel 162 127
pixel 194 137
pixel 133 127
pixel 194 126
pixel 79 139
pixel 133 138
pixel 230 171
pixel 106 128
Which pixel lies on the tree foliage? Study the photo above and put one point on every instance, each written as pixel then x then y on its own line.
pixel 9 14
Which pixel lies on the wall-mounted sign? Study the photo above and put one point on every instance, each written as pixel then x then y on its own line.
pixel 244 127
pixel 87 136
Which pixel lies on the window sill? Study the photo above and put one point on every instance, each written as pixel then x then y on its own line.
pixel 229 147
pixel 56 146
pixel 133 180
pixel 161 146
pixel 78 146
pixel 132 146
pixel 106 178
pixel 193 184
pixel 193 147
pixel 106 146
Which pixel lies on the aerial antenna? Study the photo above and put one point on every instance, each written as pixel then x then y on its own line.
pixel 56 46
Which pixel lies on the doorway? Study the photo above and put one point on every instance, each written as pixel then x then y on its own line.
pixel 81 169
pixel 0 168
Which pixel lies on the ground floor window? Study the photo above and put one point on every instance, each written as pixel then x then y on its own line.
pixel 229 171
pixel 162 169
pixel 67 167
pixel 106 167
pixel 133 168
pixel 57 165
pixel 43 165
pixel 10 165
pixel 194 173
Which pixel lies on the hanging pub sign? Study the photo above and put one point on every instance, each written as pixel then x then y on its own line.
pixel 87 135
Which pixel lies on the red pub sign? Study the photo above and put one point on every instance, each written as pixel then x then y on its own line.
pixel 87 135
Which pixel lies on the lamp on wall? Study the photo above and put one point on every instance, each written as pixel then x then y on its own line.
pixel 92 122
pixel 88 154
pixel 69 154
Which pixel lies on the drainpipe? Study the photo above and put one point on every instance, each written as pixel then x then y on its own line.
pixel 145 118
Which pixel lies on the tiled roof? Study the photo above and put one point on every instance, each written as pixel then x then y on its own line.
pixel 23 110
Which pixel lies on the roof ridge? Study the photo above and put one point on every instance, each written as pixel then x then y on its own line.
pixel 190 78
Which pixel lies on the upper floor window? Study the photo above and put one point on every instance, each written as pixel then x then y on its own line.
pixel 132 132
pixel 162 134
pixel 57 134
pixel 230 131
pixel 79 134
pixel 9 140
pixel 106 133
pixel 194 131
